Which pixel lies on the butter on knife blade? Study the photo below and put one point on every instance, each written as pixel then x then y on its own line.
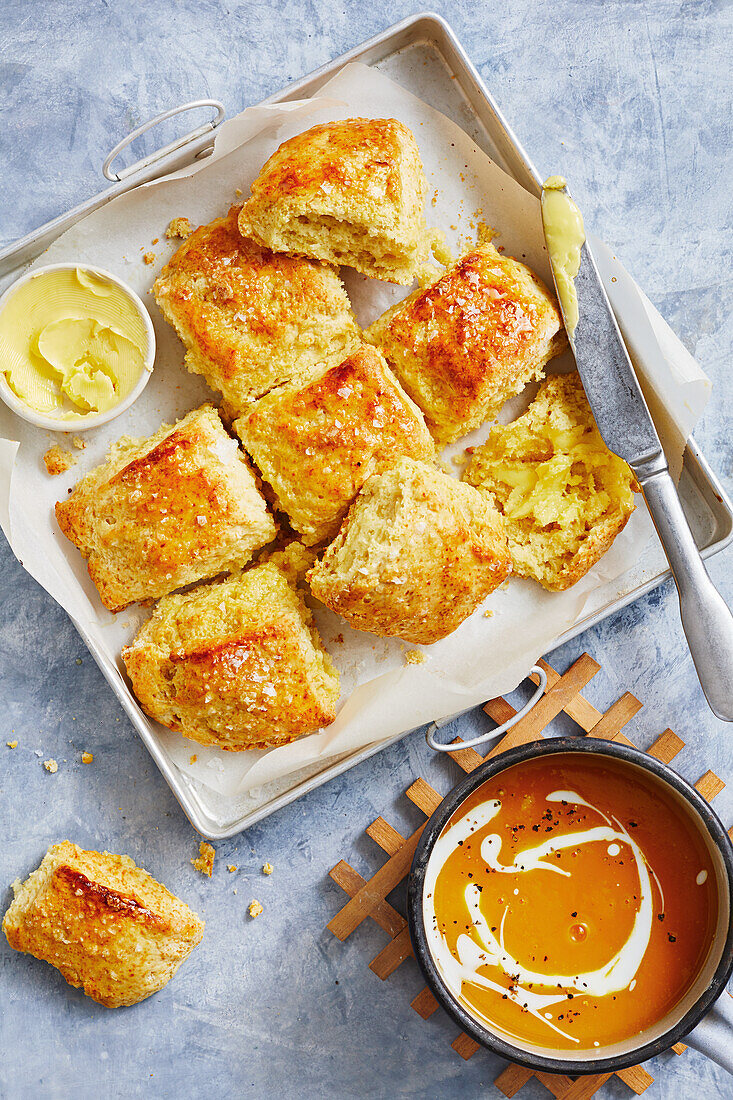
pixel 565 236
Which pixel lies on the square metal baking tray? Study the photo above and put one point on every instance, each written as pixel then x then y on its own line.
pixel 423 55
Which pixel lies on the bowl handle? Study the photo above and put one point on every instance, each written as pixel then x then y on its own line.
pixel 713 1036
pixel 492 734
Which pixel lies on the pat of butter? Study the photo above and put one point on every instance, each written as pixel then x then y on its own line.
pixel 72 343
pixel 565 235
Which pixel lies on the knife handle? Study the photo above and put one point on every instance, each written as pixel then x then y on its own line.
pixel 706 619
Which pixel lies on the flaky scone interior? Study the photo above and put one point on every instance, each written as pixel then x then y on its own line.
pixel 563 495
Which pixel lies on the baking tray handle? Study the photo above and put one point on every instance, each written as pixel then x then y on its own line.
pixel 115 177
pixel 492 734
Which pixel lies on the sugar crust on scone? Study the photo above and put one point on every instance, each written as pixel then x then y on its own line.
pixel 166 511
pixel 249 319
pixel 470 340
pixel 316 446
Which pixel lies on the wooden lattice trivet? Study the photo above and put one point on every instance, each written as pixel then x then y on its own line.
pixel 368 898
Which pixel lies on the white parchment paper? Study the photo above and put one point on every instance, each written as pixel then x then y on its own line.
pixel 382 695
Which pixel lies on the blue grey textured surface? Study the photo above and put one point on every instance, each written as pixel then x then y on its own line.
pixel 631 101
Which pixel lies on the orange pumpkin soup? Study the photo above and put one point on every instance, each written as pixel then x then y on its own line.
pixel 570 902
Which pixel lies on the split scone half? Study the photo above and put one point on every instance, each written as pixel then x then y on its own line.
pixel 563 495
pixel 473 338
pixel 104 922
pixel 416 555
pixel 251 320
pixel 348 192
pixel 316 446
pixel 164 512
pixel 236 664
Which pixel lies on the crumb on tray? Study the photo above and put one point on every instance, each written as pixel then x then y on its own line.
pixel 12 744
pixel 57 460
pixel 87 757
pixel 204 862
pixel 79 443
pixel 179 227
pixel 149 258
pixel 267 868
pixel 255 909
pixel 231 868
pixel 51 766
pixel 414 657
pixel 485 233
pixel 193 758
pixel 488 613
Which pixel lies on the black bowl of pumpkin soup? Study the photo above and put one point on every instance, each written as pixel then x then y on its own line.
pixel 570 905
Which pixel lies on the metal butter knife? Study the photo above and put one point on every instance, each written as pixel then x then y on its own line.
pixel 627 429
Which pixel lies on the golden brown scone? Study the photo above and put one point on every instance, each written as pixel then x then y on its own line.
pixel 348 192
pixel 236 664
pixel 564 496
pixel 416 555
pixel 251 320
pixel 316 446
pixel 105 923
pixel 470 340
pixel 166 511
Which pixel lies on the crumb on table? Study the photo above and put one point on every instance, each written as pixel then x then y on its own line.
pixel 414 657
pixel 255 909
pixel 193 758
pixel 231 868
pixel 79 443
pixel 267 868
pixel 51 765
pixel 204 862
pixel 488 614
pixel 57 460
pixel 149 258
pixel 12 744
pixel 87 757
pixel 179 227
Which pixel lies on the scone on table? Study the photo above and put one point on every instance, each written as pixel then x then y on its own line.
pixel 104 922
pixel 249 319
pixel 236 663
pixel 348 192
pixel 563 495
pixel 416 555
pixel 317 445
pixel 470 340
pixel 166 511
